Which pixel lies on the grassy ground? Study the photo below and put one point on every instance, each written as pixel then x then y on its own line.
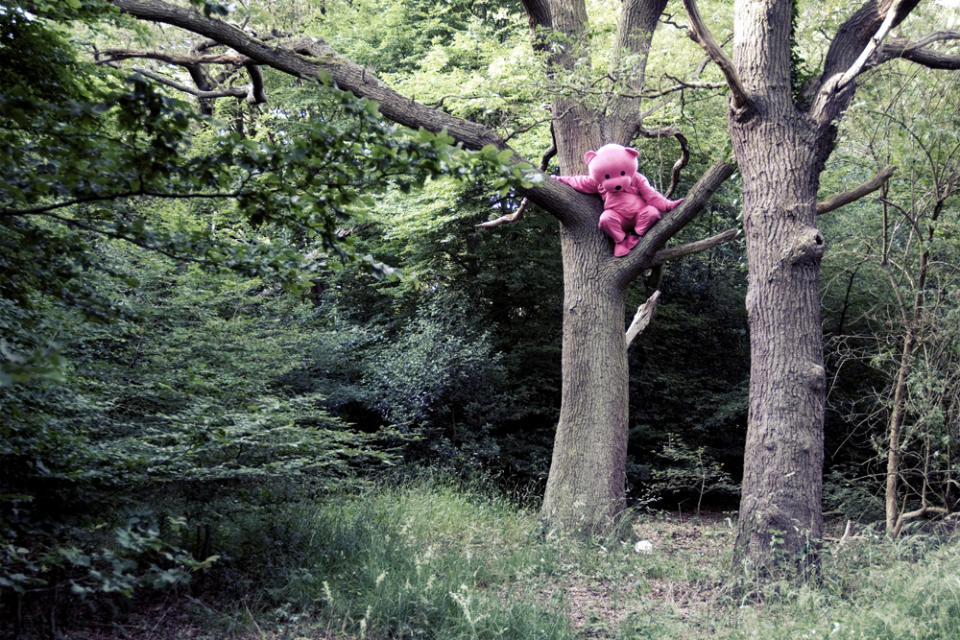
pixel 435 560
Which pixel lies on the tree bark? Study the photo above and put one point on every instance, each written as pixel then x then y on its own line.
pixel 781 147
pixel 780 512
pixel 779 153
pixel 586 486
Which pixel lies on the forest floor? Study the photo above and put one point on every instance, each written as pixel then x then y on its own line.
pixel 437 563
pixel 596 605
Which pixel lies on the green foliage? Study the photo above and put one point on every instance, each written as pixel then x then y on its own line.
pixel 173 403
pixel 433 367
pixel 434 558
pixel 130 558
pixel 890 275
pixel 688 471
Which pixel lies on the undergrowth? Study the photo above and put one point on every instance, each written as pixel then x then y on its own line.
pixel 436 559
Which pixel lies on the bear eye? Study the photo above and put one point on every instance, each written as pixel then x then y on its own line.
pixel 623 173
pixel 607 176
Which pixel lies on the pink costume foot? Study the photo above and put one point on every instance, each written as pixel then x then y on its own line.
pixel 623 247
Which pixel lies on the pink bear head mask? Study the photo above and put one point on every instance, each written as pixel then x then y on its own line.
pixel 612 167
pixel 630 204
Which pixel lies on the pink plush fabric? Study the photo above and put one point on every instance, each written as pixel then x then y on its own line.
pixel 630 204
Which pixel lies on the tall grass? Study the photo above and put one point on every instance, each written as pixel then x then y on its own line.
pixel 431 559
pixel 876 589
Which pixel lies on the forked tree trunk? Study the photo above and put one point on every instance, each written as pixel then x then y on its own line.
pixel 780 152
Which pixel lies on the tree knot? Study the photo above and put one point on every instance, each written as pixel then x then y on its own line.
pixel 816 376
pixel 808 247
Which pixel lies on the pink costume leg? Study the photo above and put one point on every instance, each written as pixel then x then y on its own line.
pixel 612 224
pixel 645 219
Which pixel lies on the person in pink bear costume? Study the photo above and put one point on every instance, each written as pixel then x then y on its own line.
pixel 630 204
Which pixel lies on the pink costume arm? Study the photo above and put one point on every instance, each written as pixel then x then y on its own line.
pixel 651 195
pixel 586 184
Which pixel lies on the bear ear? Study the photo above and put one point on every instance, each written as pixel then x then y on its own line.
pixel 631 152
pixel 589 156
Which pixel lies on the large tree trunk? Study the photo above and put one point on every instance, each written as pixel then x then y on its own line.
pixel 776 146
pixel 781 142
pixel 780 513
pixel 585 488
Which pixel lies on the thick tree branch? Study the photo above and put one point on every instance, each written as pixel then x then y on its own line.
pixel 310 58
pixel 642 257
pixel 856 39
pixel 672 253
pixel 870 47
pixel 635 26
pixel 256 95
pixel 323 60
pixel 700 34
pixel 845 198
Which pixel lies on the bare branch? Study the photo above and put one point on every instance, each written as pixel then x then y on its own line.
pixel 918 52
pixel 516 215
pixel 845 198
pixel 699 33
pixel 693 247
pixel 681 162
pixel 113 55
pixel 870 47
pixel 684 84
pixel 643 255
pixel 227 92
pixel 510 217
pixel 642 318
pixel 917 513
pixel 254 92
